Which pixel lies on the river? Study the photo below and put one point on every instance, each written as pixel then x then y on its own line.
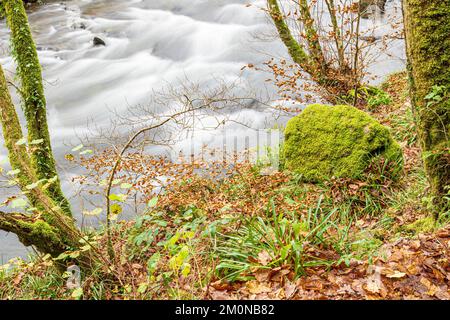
pixel 149 43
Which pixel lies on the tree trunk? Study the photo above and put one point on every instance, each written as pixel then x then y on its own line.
pixel 296 50
pixel 34 103
pixel 427 28
pixel 49 226
pixel 310 56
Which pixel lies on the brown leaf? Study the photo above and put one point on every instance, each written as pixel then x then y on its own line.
pixel 415 244
pixel 262 275
pixel 314 285
pixel 219 285
pixel 373 282
pixel 413 269
pixel 256 287
pixel 279 274
pixel 346 288
pixel 432 289
pixel 395 274
pixel 372 285
pixel 445 233
pixel 289 289
pixel 219 295
pixel 264 258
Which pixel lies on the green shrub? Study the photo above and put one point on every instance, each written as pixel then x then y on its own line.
pixel 372 96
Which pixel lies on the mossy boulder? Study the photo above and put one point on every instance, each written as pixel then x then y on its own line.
pixel 340 141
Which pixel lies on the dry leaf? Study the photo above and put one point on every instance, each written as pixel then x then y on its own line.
pixel 396 274
pixel 264 258
pixel 256 287
pixel 262 275
pixel 289 289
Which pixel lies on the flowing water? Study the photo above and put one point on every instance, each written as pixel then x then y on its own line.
pixel 149 43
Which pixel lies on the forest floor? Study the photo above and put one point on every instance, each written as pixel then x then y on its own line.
pixel 254 236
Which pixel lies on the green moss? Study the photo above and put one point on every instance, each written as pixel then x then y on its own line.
pixel 40 229
pixel 421 226
pixel 428 43
pixel 365 245
pixel 325 141
pixel 38 233
pixel 34 103
pixel 296 50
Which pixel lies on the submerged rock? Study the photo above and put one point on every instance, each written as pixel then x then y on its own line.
pixel 340 141
pixel 98 42
pixel 366 4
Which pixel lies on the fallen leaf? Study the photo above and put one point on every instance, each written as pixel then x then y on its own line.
pixel 289 289
pixel 219 295
pixel 396 274
pixel 219 285
pixel 262 275
pixel 256 287
pixel 264 258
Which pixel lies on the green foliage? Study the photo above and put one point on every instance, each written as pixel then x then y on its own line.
pixel 279 239
pixel 437 94
pixel 373 96
pixel 405 126
pixel 341 141
pixel 169 248
pixel 45 283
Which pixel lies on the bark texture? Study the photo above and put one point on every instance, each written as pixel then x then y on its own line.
pixel 427 28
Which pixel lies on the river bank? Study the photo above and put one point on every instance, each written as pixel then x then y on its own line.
pixel 148 44
pixel 253 236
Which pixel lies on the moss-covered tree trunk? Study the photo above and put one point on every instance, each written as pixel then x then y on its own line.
pixel 427 28
pixel 48 227
pixel 34 103
pixel 309 55
pixel 48 224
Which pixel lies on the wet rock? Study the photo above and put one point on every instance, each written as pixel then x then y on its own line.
pixel 369 7
pixel 98 42
pixel 79 25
